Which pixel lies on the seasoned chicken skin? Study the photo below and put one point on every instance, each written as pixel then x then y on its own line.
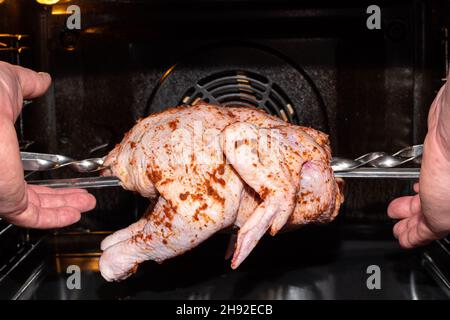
pixel 212 167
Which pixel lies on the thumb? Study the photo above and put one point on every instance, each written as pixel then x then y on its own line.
pixel 34 84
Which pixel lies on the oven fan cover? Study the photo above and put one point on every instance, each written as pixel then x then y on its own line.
pixel 242 76
pixel 242 88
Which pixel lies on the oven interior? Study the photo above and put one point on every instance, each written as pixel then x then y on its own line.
pixel 312 63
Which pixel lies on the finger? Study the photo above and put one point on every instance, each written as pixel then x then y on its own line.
pixel 33 84
pixel 404 207
pixel 417 233
pixel 424 232
pixel 46 218
pixel 41 189
pixel 416 187
pixel 80 201
pixel 399 228
pixel 413 238
pixel 408 237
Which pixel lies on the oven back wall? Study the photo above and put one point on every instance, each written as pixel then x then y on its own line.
pixel 369 89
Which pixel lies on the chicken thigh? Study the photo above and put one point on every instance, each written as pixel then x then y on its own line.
pixel 212 167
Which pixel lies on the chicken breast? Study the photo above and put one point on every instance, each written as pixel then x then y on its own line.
pixel 212 167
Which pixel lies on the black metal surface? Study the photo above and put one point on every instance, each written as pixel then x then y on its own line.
pixel 313 263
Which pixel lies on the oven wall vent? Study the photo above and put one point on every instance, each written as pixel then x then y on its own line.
pixel 242 88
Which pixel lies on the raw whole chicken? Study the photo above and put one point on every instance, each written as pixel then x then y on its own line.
pixel 213 167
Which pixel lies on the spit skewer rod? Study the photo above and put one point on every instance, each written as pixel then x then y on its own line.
pixel 43 162
pixel 371 165
pixel 102 182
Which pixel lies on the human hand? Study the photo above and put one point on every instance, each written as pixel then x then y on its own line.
pixel 22 204
pixel 426 216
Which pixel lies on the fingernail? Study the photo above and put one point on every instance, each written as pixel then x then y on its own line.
pixel 45 74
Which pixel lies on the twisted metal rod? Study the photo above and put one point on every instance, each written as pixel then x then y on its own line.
pixel 43 162
pixel 381 160
pixel 378 159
